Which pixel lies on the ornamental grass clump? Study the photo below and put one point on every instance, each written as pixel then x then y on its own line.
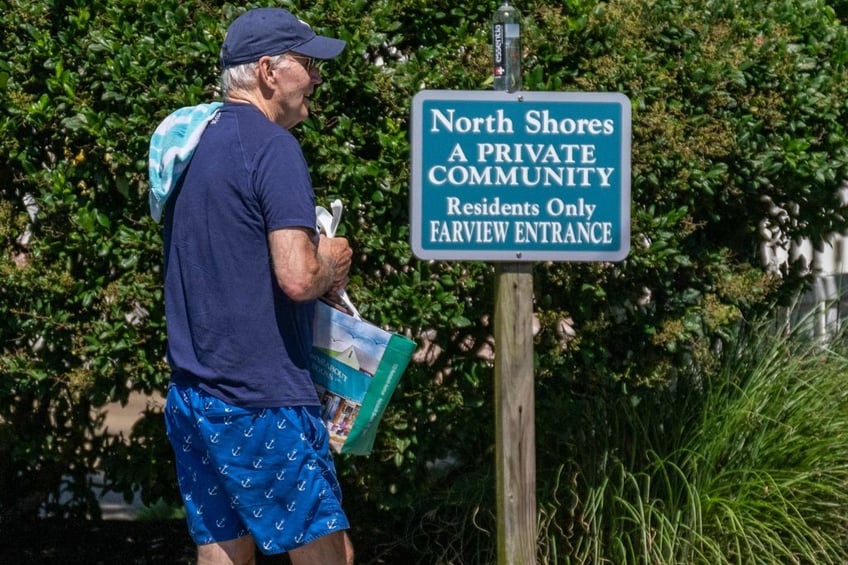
pixel 770 456
pixel 759 475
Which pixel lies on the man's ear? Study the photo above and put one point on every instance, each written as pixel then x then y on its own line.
pixel 266 71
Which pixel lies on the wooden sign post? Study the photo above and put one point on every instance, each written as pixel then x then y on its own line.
pixel 515 412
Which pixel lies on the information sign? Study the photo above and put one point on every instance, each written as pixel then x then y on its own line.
pixel 521 176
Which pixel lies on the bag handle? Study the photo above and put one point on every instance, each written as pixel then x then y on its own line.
pixel 327 223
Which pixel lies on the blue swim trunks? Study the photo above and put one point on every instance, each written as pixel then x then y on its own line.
pixel 265 472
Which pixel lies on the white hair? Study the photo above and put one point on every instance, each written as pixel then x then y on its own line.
pixel 243 77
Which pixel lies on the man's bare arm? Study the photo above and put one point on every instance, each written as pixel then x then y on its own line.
pixel 305 271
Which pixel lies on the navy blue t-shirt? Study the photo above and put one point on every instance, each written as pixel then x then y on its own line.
pixel 231 330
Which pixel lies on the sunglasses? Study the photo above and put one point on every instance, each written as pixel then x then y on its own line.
pixel 308 63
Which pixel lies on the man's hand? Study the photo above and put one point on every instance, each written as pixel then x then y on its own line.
pixel 336 252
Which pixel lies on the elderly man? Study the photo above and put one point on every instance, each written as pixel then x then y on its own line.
pixel 243 267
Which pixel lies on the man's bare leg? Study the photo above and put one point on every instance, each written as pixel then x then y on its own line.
pixel 239 551
pixel 332 549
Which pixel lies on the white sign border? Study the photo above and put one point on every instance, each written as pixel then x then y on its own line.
pixel 511 255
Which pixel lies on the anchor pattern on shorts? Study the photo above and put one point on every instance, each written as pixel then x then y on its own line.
pixel 272 482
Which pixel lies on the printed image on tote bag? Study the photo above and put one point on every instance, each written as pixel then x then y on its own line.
pixel 355 366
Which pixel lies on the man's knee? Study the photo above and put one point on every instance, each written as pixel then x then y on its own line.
pixel 332 549
pixel 240 551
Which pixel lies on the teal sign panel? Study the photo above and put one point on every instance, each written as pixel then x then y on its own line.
pixel 521 176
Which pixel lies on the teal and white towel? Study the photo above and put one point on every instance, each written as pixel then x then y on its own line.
pixel 171 148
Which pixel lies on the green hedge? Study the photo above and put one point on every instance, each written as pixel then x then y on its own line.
pixel 735 106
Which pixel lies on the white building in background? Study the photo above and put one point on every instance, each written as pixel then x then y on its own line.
pixel 826 303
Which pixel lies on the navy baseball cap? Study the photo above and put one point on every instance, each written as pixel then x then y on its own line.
pixel 273 31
